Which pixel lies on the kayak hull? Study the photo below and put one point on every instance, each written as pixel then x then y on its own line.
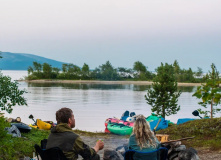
pixel 184 120
pixel 23 128
pixel 119 129
pixel 33 126
pixel 43 125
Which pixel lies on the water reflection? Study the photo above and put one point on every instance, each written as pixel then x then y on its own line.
pixel 104 86
pixel 187 88
pixel 95 102
pixel 80 86
pixel 140 87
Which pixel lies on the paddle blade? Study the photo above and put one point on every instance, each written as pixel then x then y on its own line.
pixel 195 113
pixel 31 116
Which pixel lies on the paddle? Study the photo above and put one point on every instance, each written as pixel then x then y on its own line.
pixel 154 130
pixel 196 113
pixel 31 117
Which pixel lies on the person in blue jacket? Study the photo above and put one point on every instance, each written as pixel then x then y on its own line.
pixel 143 139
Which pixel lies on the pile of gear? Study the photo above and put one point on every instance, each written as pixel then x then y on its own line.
pixel 177 151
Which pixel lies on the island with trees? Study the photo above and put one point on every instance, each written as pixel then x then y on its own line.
pixel 107 72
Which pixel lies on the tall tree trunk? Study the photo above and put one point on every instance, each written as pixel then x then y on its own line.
pixel 163 110
pixel 212 108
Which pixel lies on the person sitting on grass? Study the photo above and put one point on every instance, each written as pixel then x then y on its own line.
pixel 70 143
pixel 142 138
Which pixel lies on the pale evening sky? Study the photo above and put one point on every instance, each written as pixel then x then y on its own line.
pixel 121 31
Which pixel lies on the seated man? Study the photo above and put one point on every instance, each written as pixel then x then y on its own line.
pixel 71 144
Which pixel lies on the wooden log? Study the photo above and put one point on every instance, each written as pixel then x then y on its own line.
pixel 10 120
pixel 178 140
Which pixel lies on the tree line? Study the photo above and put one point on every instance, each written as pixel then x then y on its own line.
pixel 108 72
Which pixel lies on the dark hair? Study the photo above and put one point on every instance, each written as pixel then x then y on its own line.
pixel 63 114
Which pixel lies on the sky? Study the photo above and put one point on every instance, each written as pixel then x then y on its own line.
pixel 121 31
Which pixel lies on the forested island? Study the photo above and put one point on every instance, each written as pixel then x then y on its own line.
pixel 107 72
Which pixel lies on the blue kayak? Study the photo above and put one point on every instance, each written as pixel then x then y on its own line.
pixel 184 120
pixel 162 125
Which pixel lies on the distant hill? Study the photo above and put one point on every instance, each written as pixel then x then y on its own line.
pixel 21 61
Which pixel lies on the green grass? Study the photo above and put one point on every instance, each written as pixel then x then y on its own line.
pixel 207 133
pixel 14 148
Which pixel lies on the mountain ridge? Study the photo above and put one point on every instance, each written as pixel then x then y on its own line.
pixel 21 61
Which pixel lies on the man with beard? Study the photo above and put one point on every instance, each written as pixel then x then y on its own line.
pixel 70 143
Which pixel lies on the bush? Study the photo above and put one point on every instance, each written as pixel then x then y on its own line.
pixel 31 77
pixel 14 148
pixel 6 145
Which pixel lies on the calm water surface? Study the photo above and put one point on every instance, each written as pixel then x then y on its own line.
pixel 91 103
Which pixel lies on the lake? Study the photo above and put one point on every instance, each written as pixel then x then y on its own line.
pixel 92 104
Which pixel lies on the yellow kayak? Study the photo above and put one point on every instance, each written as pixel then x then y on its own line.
pixel 33 126
pixel 41 125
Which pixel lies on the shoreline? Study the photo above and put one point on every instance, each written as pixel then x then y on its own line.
pixel 101 82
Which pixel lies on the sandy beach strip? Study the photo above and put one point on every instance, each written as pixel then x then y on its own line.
pixel 102 82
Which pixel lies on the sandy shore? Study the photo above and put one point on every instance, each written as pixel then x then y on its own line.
pixel 103 82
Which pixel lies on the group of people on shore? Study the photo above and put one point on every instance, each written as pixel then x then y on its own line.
pixel 62 136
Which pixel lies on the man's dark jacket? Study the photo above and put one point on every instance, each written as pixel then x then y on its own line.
pixel 71 144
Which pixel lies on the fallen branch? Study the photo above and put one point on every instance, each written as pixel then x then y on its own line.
pixel 178 140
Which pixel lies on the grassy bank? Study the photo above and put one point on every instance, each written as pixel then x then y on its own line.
pixel 15 148
pixel 207 133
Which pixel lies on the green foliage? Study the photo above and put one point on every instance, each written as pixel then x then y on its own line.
pixel 183 75
pixel 139 67
pixel 37 69
pixel 85 71
pixel 3 124
pixel 210 93
pixel 199 72
pixel 73 71
pixel 30 70
pixel 55 72
pixel 47 70
pixel 163 95
pixel 10 95
pixel 106 72
pixel 142 72
pixel 176 67
pixel 64 68
pixel 14 148
pixel 31 77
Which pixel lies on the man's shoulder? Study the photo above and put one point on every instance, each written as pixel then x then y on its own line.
pixel 73 133
pixel 70 133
